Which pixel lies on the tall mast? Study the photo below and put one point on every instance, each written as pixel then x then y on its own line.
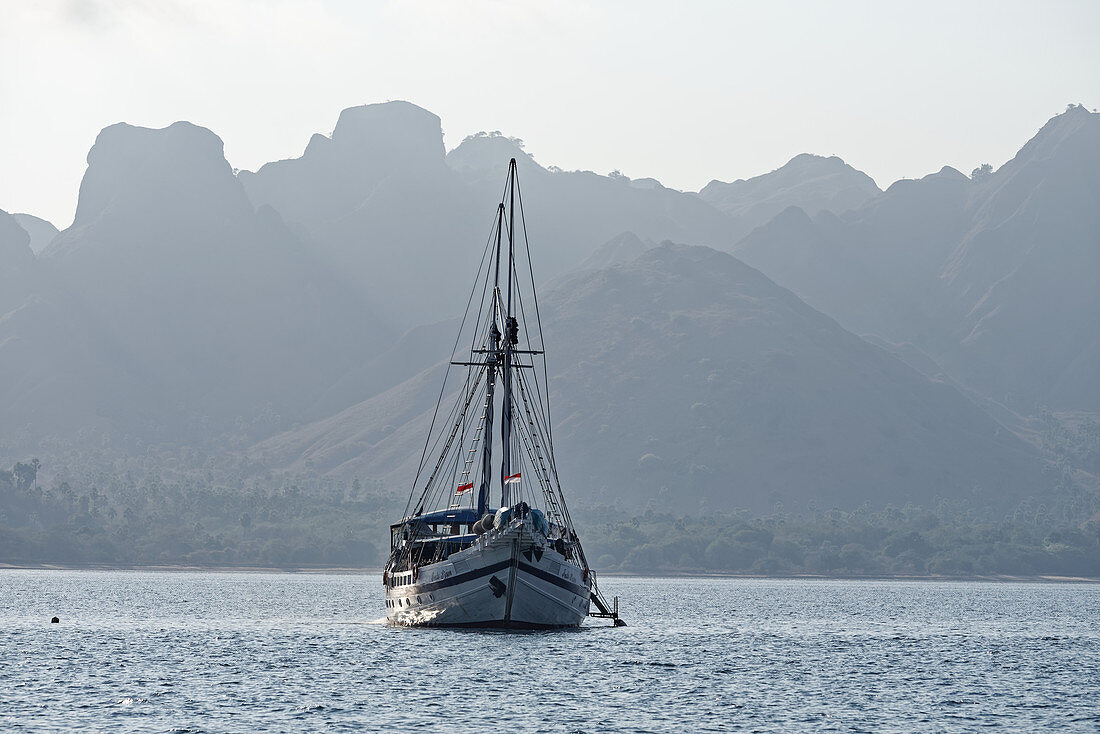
pixel 511 338
pixel 490 382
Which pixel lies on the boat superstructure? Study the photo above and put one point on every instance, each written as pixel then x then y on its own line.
pixel 486 539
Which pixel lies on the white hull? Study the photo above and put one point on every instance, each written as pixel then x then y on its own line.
pixel 509 578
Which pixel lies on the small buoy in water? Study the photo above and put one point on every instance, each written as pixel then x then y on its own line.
pixel 55 620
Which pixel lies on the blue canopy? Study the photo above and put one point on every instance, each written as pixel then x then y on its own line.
pixel 461 515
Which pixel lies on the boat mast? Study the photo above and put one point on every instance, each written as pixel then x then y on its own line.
pixel 511 338
pixel 490 381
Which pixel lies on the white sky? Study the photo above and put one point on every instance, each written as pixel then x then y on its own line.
pixel 681 91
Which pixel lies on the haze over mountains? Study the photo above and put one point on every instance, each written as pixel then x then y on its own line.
pixel 382 201
pixel 811 183
pixel 996 279
pixel 172 307
pixel 687 377
pixel 296 314
pixel 40 231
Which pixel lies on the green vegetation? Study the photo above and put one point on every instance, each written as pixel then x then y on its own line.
pixel 117 520
pixel 114 519
pixel 908 541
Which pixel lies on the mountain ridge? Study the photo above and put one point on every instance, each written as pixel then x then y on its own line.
pixel 658 385
pixel 995 277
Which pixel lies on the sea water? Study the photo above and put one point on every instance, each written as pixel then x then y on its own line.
pixel 190 651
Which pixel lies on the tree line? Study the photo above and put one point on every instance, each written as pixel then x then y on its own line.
pixel 114 518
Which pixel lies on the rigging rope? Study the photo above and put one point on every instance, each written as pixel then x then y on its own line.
pixel 443 387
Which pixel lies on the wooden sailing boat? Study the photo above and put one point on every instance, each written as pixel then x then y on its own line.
pixel 456 557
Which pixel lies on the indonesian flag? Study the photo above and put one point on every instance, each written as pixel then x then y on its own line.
pixel 514 479
pixel 464 488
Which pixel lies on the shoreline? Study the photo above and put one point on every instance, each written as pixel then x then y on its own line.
pixel 353 571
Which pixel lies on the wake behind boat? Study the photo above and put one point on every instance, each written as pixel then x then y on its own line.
pixel 457 559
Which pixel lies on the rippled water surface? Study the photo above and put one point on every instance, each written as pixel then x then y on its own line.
pixel 249 651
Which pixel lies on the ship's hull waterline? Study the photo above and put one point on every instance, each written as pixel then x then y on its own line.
pixel 507 580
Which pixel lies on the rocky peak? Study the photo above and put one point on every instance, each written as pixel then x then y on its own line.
pixel 1076 123
pixel 170 177
pixel 390 134
pixel 374 148
pixel 15 244
pixel 811 182
pixel 41 231
pixel 489 153
pixel 621 248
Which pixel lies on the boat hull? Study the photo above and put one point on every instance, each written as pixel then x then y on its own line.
pixel 509 581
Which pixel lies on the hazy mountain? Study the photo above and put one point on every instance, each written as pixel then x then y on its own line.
pixel 55 365
pixel 15 244
pixel 812 183
pixel 41 231
pixel 199 314
pixel 619 249
pixel 874 269
pixel 571 214
pixel 192 306
pixel 18 270
pixel 174 308
pixel 997 278
pixel 379 203
pixel 689 377
pixel 382 201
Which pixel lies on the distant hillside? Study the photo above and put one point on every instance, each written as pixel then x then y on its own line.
pixel 571 214
pixel 192 313
pixel 996 278
pixel 687 377
pixel 41 231
pixel 15 244
pixel 619 249
pixel 809 182
pixel 171 310
pixel 381 201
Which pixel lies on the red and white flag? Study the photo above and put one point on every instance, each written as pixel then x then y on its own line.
pixel 464 488
pixel 514 479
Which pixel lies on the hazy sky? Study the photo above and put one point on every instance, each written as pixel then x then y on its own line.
pixel 681 91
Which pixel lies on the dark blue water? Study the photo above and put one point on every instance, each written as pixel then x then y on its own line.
pixel 246 652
